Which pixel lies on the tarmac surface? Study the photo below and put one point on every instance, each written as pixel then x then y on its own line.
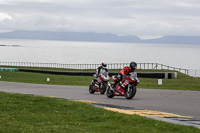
pixel 176 106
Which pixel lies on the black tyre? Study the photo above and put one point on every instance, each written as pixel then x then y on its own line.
pixel 103 88
pixel 130 93
pixel 91 88
pixel 110 93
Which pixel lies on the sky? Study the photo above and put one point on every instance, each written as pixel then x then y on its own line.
pixel 144 18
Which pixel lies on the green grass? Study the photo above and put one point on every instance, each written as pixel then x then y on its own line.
pixel 40 78
pixel 183 82
pixel 27 113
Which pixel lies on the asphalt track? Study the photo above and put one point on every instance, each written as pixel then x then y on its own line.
pixel 180 102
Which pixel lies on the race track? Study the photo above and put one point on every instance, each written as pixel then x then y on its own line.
pixel 179 102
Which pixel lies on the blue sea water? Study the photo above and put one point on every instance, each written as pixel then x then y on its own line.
pixel 186 56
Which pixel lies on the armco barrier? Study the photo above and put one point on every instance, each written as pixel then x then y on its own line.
pixel 58 72
pixel 159 75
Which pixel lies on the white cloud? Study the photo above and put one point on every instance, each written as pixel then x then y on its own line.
pixel 4 16
pixel 122 17
pixel 149 37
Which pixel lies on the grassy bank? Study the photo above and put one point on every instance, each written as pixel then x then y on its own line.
pixel 183 82
pixel 27 113
pixel 38 78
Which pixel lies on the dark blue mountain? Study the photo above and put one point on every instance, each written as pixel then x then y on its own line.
pixel 175 40
pixel 68 36
pixel 96 37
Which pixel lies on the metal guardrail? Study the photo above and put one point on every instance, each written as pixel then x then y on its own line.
pixel 145 66
pixel 194 72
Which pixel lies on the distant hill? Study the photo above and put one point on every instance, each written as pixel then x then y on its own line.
pixel 96 37
pixel 68 36
pixel 175 40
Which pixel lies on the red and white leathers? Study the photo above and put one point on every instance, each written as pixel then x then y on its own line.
pixel 126 70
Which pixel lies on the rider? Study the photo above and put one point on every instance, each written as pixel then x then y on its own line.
pixel 126 70
pixel 103 66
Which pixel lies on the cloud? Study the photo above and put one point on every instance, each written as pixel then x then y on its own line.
pixel 122 17
pixel 4 16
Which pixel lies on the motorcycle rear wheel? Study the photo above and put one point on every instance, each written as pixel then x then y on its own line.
pixel 129 94
pixel 110 93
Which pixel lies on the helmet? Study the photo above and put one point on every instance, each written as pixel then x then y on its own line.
pixel 104 64
pixel 133 65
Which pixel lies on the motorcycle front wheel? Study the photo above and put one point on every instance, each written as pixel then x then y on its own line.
pixel 130 92
pixel 91 88
pixel 110 93
pixel 103 88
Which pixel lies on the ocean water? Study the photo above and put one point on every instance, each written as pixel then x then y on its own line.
pixel 48 51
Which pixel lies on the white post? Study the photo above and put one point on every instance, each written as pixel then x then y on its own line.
pixel 48 79
pixel 159 81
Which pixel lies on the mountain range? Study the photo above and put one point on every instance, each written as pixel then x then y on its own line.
pixel 96 37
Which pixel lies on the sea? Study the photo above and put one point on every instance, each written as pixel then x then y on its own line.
pixel 185 56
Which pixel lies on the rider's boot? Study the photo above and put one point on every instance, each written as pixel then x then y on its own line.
pixel 93 81
pixel 121 84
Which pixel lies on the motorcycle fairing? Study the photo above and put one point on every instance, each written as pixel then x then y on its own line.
pixel 119 91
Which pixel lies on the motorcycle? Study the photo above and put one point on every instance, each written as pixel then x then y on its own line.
pixel 99 84
pixel 126 87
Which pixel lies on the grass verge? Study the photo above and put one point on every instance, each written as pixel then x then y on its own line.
pixel 27 113
pixel 183 82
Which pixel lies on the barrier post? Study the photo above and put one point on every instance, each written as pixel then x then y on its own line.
pixel 159 81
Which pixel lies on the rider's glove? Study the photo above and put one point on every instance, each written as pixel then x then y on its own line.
pixel 123 75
